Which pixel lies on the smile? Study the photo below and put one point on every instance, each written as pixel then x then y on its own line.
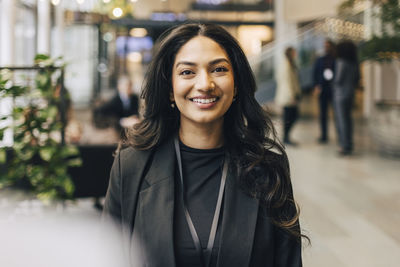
pixel 204 100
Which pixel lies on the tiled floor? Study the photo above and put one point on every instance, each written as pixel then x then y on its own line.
pixel 350 206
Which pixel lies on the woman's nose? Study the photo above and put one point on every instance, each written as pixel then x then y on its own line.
pixel 205 82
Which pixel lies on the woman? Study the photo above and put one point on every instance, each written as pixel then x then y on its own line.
pixel 346 80
pixel 288 92
pixel 203 182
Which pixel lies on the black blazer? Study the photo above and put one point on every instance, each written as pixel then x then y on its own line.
pixel 141 197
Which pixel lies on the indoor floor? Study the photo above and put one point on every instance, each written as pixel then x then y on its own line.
pixel 350 206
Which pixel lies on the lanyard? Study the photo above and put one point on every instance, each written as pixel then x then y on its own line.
pixel 206 257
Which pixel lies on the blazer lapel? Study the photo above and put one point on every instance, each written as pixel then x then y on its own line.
pixel 238 226
pixel 154 220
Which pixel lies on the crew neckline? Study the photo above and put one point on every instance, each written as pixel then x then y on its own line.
pixel 186 148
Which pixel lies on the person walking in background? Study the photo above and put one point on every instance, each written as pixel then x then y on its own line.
pixel 346 80
pixel 288 93
pixel 323 74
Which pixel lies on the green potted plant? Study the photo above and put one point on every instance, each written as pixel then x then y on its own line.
pixel 38 160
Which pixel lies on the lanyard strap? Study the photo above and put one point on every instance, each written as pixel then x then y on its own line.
pixel 206 257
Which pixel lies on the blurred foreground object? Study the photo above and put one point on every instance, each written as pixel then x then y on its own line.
pixel 62 234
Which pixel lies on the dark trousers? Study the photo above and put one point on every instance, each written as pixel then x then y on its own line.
pixel 325 99
pixel 344 123
pixel 290 115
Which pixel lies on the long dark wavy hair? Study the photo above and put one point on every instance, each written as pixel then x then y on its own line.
pixel 256 155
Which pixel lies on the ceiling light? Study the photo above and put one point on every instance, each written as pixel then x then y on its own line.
pixel 138 32
pixel 117 12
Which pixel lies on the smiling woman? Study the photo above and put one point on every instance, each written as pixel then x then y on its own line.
pixel 203 90
pixel 202 129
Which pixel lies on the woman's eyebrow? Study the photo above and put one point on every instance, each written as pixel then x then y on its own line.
pixel 218 60
pixel 185 63
pixel 213 62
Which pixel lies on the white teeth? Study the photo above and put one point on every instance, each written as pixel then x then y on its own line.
pixel 204 100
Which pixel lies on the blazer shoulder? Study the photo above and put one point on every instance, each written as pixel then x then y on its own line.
pixel 129 152
pixel 132 160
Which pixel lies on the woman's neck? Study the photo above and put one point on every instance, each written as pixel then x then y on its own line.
pixel 202 137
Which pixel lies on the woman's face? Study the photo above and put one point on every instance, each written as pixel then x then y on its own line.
pixel 202 82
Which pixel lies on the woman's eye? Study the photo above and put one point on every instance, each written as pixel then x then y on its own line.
pixel 186 72
pixel 221 69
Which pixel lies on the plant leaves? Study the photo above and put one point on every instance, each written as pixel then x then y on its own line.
pixel 76 162
pixel 46 153
pixel 69 151
pixel 3 156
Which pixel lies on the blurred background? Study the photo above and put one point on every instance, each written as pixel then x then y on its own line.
pixel 71 72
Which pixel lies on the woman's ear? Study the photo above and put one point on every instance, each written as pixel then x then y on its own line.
pixel 171 96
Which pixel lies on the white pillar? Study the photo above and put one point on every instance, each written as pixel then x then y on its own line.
pixel 368 21
pixel 285 31
pixel 372 71
pixel 369 84
pixel 43 27
pixel 58 31
pixel 7 22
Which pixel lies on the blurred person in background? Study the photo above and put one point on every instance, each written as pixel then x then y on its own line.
pixel 346 80
pixel 288 93
pixel 323 74
pixel 122 108
pixel 202 127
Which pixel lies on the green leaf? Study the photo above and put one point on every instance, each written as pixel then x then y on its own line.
pixel 68 151
pixel 3 156
pixel 40 57
pixel 47 196
pixel 42 81
pixel 46 153
pixel 36 174
pixel 75 162
pixel 24 154
pixel 52 112
pixel 68 186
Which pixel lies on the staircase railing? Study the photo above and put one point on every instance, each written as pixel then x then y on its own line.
pixel 309 44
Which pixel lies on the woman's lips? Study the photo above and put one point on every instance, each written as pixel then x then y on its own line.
pixel 204 102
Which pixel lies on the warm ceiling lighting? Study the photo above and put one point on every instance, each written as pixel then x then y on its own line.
pixel 134 1
pixel 55 2
pixel 80 2
pixel 138 32
pixel 106 1
pixel 117 12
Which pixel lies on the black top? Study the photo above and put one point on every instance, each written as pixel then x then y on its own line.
pixel 202 170
pixel 323 63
